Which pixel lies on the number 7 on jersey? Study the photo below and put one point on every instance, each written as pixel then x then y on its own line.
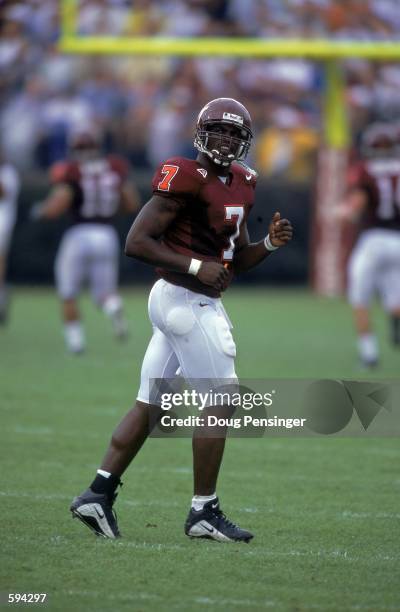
pixel 230 213
pixel 169 171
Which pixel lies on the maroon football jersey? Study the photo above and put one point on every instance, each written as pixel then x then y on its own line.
pixel 210 217
pixel 380 179
pixel 96 187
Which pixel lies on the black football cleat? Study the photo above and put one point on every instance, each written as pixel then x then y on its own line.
pixel 369 364
pixel 120 327
pixel 3 307
pixel 95 510
pixel 212 523
pixel 121 331
pixel 3 316
pixel 395 335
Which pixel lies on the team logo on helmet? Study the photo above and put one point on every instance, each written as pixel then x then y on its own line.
pixel 233 117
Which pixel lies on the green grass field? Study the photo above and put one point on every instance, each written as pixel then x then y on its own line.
pixel 325 511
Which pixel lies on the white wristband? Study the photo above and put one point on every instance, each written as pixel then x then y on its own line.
pixel 268 244
pixel 194 267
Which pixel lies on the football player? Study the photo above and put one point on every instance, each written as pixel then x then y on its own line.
pixel 92 188
pixel 9 190
pixel 194 231
pixel 373 201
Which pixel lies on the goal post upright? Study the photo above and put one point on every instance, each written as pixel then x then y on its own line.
pixel 68 21
pixel 327 268
pixel 327 255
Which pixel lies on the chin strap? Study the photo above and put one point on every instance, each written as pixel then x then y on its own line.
pixel 216 160
pixel 211 154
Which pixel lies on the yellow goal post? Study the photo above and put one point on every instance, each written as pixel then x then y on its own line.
pixel 328 51
pixel 327 273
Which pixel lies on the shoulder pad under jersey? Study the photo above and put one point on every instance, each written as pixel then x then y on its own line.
pixel 119 165
pixel 64 172
pixel 249 175
pixel 358 176
pixel 179 176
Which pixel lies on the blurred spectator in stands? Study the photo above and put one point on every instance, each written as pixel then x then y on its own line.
pixel 141 103
pixel 61 111
pixel 287 148
pixel 44 21
pixel 388 13
pixel 13 54
pixel 146 18
pixel 20 123
pixel 102 17
pixel 169 125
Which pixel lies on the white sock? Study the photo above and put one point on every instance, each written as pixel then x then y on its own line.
pixel 112 306
pixel 104 473
pixel 368 347
pixel 74 336
pixel 198 501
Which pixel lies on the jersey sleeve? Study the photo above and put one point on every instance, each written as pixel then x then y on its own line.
pixel 358 178
pixel 64 172
pixel 248 175
pixel 248 178
pixel 120 166
pixel 176 178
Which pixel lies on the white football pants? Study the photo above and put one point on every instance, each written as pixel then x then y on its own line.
pixel 88 253
pixel 374 267
pixel 191 336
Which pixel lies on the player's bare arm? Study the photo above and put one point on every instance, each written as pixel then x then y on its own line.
pixel 143 242
pixel 352 208
pixel 57 203
pixel 248 255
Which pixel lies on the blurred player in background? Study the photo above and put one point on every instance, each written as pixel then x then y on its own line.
pixel 9 190
pixel 194 230
pixel 373 201
pixel 92 188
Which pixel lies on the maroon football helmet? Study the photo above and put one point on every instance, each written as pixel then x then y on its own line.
pixel 85 141
pixel 210 138
pixel 378 140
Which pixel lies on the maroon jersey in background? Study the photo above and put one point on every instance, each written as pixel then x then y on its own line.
pixel 96 186
pixel 211 214
pixel 380 178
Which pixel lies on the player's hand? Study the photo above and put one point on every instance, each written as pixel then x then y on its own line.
pixel 280 230
pixel 214 274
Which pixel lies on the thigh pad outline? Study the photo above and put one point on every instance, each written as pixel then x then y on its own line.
pixel 180 320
